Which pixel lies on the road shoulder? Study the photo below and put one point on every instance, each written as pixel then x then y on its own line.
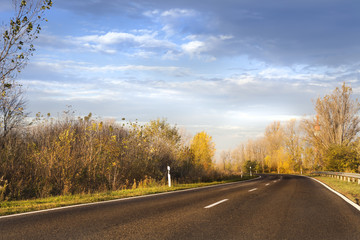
pixel 337 193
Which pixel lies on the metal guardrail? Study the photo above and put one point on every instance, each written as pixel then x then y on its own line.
pixel 350 177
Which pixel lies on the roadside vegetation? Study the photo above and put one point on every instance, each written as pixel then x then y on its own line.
pixel 349 189
pixel 81 155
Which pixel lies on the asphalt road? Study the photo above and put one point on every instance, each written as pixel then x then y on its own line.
pixel 273 207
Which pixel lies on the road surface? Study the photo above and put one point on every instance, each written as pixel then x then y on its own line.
pixel 273 207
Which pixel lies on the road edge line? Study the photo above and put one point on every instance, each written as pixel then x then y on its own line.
pixel 337 193
pixel 121 199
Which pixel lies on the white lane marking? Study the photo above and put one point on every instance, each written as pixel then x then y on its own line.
pixel 274 181
pixel 267 184
pixel 254 189
pixel 214 204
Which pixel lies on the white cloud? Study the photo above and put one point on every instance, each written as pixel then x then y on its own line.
pixel 141 43
pixel 61 66
pixel 171 14
pixel 112 41
pixel 179 13
pixel 204 46
pixel 151 13
pixel 241 80
pixel 108 38
pixel 194 48
pixel 64 91
pixel 175 20
pixel 130 68
pixel 226 37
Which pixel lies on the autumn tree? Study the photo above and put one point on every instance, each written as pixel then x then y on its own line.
pixel 293 144
pixel 336 121
pixel 16 46
pixel 238 157
pixel 164 140
pixel 256 152
pixel 203 150
pixel 226 161
pixel 310 161
pixel 274 137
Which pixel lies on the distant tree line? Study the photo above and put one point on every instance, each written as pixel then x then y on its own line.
pixel 327 141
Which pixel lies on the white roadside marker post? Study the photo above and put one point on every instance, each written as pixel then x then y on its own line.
pixel 169 177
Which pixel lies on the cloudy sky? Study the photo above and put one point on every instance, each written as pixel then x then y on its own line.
pixel 228 67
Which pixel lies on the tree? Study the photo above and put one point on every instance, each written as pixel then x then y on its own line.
pixel 336 121
pixel 12 109
pixel 256 152
pixel 341 158
pixel 225 158
pixel 274 137
pixel 164 141
pixel 250 166
pixel 16 45
pixel 238 157
pixel 203 150
pixel 293 143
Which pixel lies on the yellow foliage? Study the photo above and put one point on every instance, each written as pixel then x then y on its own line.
pixel 203 150
pixel 134 184
pixel 94 127
pixel 284 161
pixel 267 160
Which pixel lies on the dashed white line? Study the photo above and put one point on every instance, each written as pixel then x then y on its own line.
pixel 254 189
pixel 214 204
pixel 267 184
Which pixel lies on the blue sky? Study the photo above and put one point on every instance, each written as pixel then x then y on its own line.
pixel 228 67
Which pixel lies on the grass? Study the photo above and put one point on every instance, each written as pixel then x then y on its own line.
pixel 21 206
pixel 349 189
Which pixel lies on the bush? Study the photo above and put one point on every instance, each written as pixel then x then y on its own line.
pixel 341 158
